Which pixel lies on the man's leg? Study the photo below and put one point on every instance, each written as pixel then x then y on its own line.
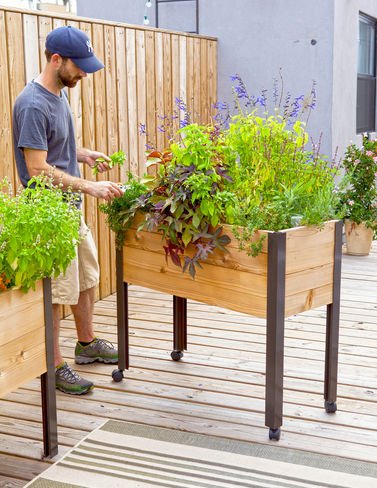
pixel 66 379
pixel 89 348
pixel 83 314
pixel 56 323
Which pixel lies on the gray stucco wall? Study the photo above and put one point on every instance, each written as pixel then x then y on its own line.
pixel 257 38
pixel 346 34
pixel 309 40
pixel 128 11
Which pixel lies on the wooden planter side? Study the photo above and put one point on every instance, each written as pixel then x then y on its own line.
pixel 309 268
pixel 235 280
pixel 22 338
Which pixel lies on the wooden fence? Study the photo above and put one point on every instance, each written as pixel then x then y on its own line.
pixel 145 71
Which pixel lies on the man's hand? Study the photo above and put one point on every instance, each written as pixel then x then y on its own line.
pixel 89 157
pixel 103 189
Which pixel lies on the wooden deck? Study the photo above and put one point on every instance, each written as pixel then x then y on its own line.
pixel 218 387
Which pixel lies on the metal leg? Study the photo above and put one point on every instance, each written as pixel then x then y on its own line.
pixel 48 389
pixel 275 333
pixel 180 327
pixel 122 319
pixel 332 327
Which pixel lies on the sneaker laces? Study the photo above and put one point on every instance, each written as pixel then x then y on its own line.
pixel 68 374
pixel 104 343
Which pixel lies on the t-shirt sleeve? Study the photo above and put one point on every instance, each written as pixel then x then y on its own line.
pixel 33 126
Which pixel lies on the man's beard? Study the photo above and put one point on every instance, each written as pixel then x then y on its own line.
pixel 65 79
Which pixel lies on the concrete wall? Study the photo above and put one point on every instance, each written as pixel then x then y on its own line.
pixel 308 40
pixel 346 34
pixel 257 38
pixel 128 11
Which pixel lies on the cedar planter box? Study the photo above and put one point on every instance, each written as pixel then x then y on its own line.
pixel 26 350
pixel 297 270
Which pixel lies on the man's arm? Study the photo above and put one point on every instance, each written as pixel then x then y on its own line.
pixel 37 164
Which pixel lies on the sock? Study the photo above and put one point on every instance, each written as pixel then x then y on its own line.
pixel 85 343
pixel 60 365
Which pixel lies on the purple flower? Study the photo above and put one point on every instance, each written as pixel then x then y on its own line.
pixel 142 129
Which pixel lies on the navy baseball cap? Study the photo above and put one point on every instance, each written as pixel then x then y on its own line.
pixel 73 43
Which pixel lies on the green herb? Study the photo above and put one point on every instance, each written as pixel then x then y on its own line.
pixel 116 159
pixel 121 211
pixel 39 232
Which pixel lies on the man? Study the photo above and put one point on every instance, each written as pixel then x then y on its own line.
pixel 44 142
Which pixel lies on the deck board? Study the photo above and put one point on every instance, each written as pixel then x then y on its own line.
pixel 218 387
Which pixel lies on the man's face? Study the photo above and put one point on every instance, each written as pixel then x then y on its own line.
pixel 69 74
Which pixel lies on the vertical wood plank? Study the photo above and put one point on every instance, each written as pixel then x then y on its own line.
pixel 122 106
pixel 31 49
pixel 132 101
pixel 101 144
pixel 159 77
pixel 212 77
pixel 141 97
pixel 6 149
pixel 182 77
pixel 45 27
pixel 16 53
pixel 190 67
pixel 168 111
pixel 197 116
pixel 175 60
pixel 204 109
pixel 16 63
pixel 151 94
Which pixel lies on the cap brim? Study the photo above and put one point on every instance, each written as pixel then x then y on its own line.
pixel 88 65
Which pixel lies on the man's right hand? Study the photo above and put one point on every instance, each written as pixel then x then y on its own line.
pixel 107 190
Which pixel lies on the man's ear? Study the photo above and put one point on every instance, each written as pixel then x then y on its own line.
pixel 56 60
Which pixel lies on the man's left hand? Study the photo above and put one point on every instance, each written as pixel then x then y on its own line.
pixel 90 157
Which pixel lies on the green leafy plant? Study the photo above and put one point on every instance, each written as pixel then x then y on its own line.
pixel 39 230
pixel 251 170
pixel 275 178
pixel 358 189
pixel 121 211
pixel 116 159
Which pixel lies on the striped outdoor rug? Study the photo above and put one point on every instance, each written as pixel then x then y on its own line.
pixel 125 455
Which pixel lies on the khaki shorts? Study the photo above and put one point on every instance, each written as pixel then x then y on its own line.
pixel 81 274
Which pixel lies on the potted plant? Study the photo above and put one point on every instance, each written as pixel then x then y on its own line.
pixel 218 224
pixel 38 231
pixel 358 196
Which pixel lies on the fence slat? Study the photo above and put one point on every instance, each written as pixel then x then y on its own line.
pixel 132 101
pixel 151 93
pixel 168 107
pixel 6 150
pixel 160 89
pixel 31 44
pixel 122 108
pixel 141 97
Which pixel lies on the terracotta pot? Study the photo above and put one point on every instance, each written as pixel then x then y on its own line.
pixel 358 238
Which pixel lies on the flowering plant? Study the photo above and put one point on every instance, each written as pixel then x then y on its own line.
pixel 39 230
pixel 250 170
pixel 358 189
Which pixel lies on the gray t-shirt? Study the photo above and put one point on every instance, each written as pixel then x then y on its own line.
pixel 42 120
